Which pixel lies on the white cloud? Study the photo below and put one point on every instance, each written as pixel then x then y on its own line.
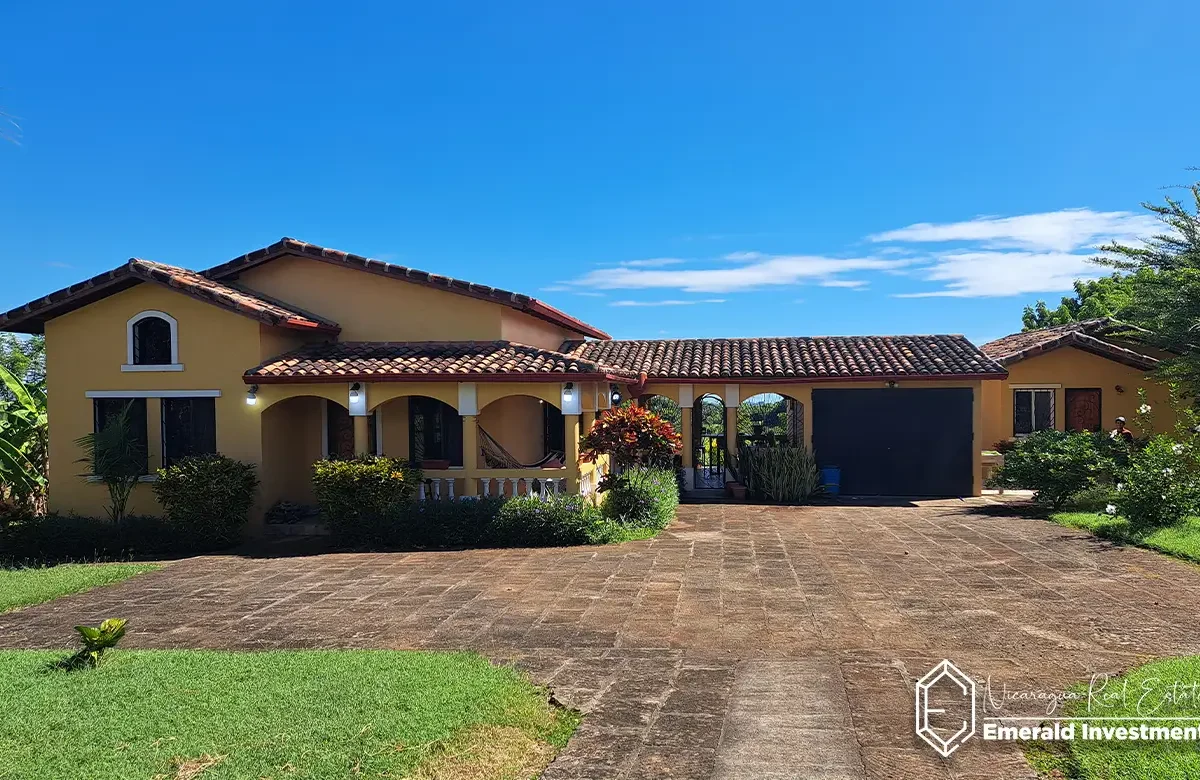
pixel 554 288
pixel 588 294
pixel 762 271
pixel 653 262
pixel 668 303
pixel 1058 231
pixel 851 284
pixel 992 274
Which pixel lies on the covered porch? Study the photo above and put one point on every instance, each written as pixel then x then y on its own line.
pixel 503 433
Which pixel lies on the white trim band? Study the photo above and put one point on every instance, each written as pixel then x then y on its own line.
pixel 167 367
pixel 152 394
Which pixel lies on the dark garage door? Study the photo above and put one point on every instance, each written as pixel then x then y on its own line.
pixel 897 442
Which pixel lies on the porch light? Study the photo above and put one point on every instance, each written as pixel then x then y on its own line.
pixel 892 384
pixel 354 391
pixel 252 395
pixel 568 392
pixel 615 394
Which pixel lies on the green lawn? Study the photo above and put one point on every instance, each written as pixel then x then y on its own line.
pixel 1154 685
pixel 1181 540
pixel 287 714
pixel 24 587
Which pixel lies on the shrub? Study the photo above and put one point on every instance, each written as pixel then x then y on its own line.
pixel 53 538
pixel 633 436
pixel 207 498
pixel 1054 464
pixel 785 475
pixel 360 492
pixel 643 497
pixel 1161 485
pixel 527 521
pixel 462 523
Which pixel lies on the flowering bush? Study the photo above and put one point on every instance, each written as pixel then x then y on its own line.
pixel 351 493
pixel 1161 485
pixel 633 436
pixel 1054 464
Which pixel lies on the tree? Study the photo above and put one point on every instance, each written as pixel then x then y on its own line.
pixel 1109 296
pixel 24 358
pixel 1165 286
pixel 22 442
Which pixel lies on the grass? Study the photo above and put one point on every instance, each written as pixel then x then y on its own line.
pixel 289 714
pixel 1153 685
pixel 28 586
pixel 1181 540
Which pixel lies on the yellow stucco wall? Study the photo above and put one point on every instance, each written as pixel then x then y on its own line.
pixel 525 329
pixel 1066 368
pixel 516 422
pixel 85 350
pixel 370 307
pixel 291 443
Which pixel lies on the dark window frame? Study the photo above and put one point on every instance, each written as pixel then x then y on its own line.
pixel 106 408
pixel 434 431
pixel 149 346
pixel 201 435
pixel 1032 423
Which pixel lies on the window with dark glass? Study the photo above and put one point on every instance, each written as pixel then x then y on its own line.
pixel 553 428
pixel 189 427
pixel 152 342
pixel 1033 410
pixel 105 410
pixel 339 432
pixel 434 431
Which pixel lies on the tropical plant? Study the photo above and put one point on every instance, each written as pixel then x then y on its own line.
pixel 1054 464
pixel 117 458
pixel 23 431
pixel 784 475
pixel 207 498
pixel 632 436
pixel 96 642
pixel 1108 296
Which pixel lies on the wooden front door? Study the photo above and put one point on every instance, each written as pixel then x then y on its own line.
pixel 1083 409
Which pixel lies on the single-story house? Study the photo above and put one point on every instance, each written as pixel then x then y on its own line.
pixel 1075 377
pixel 295 352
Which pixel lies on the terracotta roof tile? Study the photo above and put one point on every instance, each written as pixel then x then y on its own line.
pixel 384 361
pixel 1088 335
pixel 809 358
pixel 31 317
pixel 292 246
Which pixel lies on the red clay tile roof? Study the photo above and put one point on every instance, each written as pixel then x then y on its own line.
pixel 1087 335
pixel 31 317
pixel 803 358
pixel 425 360
pixel 292 246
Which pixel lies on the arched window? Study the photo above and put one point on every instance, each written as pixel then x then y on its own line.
pixel 153 343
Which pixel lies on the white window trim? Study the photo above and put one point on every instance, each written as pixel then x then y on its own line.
pixel 152 394
pixel 174 365
pixel 1033 406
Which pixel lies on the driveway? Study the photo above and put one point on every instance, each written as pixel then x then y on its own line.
pixel 745 642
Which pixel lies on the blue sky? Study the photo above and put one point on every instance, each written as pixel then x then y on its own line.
pixel 657 169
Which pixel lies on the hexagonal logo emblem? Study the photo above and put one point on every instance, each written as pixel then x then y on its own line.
pixel 945 708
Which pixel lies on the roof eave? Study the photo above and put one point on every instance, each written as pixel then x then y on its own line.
pixel 553 376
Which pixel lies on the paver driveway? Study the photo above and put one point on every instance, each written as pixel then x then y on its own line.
pixel 745 642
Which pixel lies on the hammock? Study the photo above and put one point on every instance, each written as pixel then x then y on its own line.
pixel 496 457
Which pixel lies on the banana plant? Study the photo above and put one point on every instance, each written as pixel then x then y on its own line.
pixel 23 427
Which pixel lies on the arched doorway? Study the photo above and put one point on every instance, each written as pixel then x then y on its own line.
pixel 426 431
pixel 521 431
pixel 708 441
pixel 770 420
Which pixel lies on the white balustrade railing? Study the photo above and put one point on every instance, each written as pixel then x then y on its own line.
pixel 442 489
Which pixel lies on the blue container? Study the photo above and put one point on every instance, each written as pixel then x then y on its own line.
pixel 831 480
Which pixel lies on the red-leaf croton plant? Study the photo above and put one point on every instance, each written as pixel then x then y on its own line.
pixel 633 436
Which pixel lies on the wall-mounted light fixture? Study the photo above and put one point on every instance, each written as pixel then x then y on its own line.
pixel 892 384
pixel 354 388
pixel 252 395
pixel 568 392
pixel 615 394
pixel 1120 389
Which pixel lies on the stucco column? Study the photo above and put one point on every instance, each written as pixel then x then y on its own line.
pixel 470 433
pixel 589 419
pixel 362 436
pixel 571 456
pixel 731 429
